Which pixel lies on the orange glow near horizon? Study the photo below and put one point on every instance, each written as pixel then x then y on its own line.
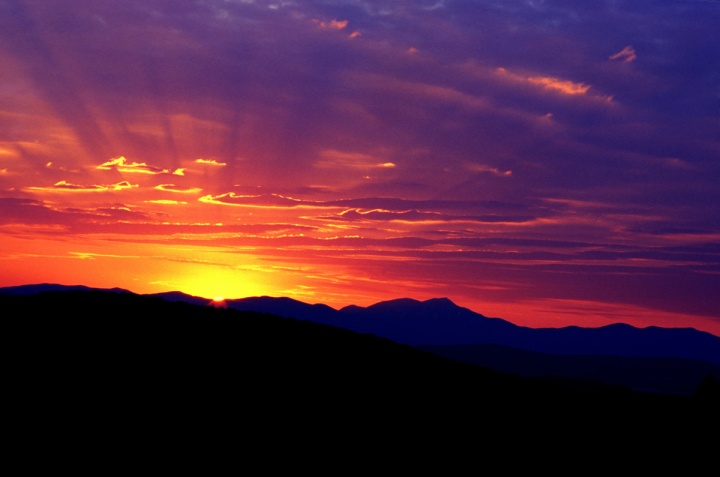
pixel 526 171
pixel 316 266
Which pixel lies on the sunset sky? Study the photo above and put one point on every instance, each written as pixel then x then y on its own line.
pixel 551 163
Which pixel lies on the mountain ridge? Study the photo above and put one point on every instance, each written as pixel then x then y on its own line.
pixel 399 319
pixel 648 359
pixel 178 295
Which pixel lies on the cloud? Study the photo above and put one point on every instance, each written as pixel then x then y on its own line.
pixel 93 255
pixel 563 86
pixel 400 204
pixel 267 200
pixel 180 190
pixel 492 170
pixel 425 217
pixel 548 82
pixel 418 90
pixel 166 202
pixel 64 186
pixel 336 25
pixel 210 162
pixel 332 24
pixel 121 164
pixel 53 166
pixel 7 152
pixel 386 215
pixel 474 124
pixel 351 160
pixel 626 55
pixel 31 213
pixel 391 209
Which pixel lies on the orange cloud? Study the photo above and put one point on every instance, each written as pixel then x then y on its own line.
pixel 626 55
pixel 332 24
pixel 492 170
pixel 563 86
pixel 64 186
pixel 266 200
pixel 415 216
pixel 210 162
pixel 173 188
pixel 548 82
pixel 351 160
pixel 166 202
pixel 53 166
pixel 336 25
pixel 120 164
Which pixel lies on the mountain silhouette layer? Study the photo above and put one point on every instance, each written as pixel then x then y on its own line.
pixel 652 359
pixel 127 371
pixel 439 321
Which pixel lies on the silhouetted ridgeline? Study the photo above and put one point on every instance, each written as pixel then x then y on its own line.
pixel 440 322
pixel 104 361
pixel 77 336
pixel 667 360
pixel 658 374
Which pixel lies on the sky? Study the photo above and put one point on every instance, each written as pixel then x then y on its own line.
pixel 551 163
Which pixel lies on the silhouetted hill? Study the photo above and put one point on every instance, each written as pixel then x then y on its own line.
pixel 667 375
pixel 142 370
pixel 97 334
pixel 49 287
pixel 657 359
pixel 650 359
pixel 441 322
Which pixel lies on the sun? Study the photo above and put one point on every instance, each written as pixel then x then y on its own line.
pixel 221 282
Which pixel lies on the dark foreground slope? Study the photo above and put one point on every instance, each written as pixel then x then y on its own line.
pixel 115 366
pixel 648 374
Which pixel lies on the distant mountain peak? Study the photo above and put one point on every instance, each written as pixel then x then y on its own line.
pixel 54 287
pixel 439 321
pixel 408 303
pixel 442 300
pixel 398 302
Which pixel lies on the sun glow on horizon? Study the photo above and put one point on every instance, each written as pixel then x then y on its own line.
pixel 210 279
pixel 487 167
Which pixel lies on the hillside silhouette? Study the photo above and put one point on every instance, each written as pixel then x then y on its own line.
pixel 666 360
pixel 114 360
pixel 438 323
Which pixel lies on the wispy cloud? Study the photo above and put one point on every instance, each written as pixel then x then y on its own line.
pixel 210 162
pixel 267 200
pixel 626 55
pixel 121 164
pixel 351 160
pixel 179 190
pixel 332 24
pixel 64 186
pixel 556 84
